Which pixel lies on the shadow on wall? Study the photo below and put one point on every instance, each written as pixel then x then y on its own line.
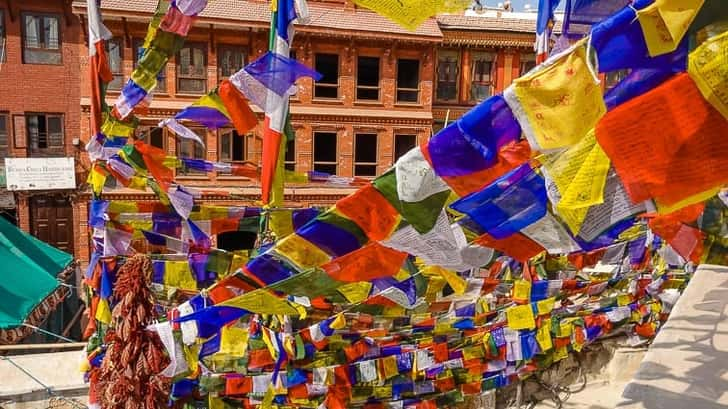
pixel 700 341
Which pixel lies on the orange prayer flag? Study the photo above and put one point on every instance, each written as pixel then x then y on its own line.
pixel 154 161
pixel 222 225
pixel 242 117
pixel 365 264
pixel 371 211
pixel 668 144
pixel 517 246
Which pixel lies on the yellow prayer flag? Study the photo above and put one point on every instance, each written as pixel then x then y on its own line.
pixel 520 317
pixel 270 342
pixel 281 223
pixel 383 392
pixel 301 252
pixel 473 352
pixel 96 179
pixel 393 311
pixel 177 274
pixel 707 67
pixel 339 322
pixel 665 22
pixel 269 394
pixel 233 341
pixel 545 306
pixel 558 104
pixel 411 13
pixel 560 353
pixel 624 299
pixel 103 312
pixel 214 402
pixel 566 328
pixel 580 175
pixel 262 302
pixel 138 183
pixel 522 290
pixel 191 356
pixel 456 282
pixel 389 367
pixel 355 292
pixel 543 336
pixel 402 275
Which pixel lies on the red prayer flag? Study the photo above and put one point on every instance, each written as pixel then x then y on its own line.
pixel 365 264
pixel 668 144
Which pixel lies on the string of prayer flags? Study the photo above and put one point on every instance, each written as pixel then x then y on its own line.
pixel 665 22
pixel 684 137
pixel 165 37
pixel 512 202
pixel 564 87
pixel 100 73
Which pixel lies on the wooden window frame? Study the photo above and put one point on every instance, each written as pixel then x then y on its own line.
pixel 399 89
pixel 3 36
pixel 230 47
pixel 145 132
pixel 456 82
pixel 192 77
pixel 178 144
pixel 394 146
pixel 376 154
pixel 113 86
pixel 524 63
pixel 377 87
pixel 246 154
pixel 290 164
pixel 335 163
pixel 50 150
pixel 42 48
pixel 5 150
pixel 336 85
pixel 491 81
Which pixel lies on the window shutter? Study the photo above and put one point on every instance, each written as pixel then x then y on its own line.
pixel 20 139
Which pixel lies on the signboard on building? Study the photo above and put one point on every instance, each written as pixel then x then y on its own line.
pixel 40 173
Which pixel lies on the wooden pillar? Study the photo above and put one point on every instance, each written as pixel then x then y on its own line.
pixel 508 69
pixel 516 72
pixel 466 65
pixel 500 67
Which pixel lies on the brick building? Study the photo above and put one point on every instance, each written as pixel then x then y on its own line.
pixel 374 102
pixel 39 115
pixel 480 55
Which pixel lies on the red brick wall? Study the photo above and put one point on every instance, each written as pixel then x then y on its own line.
pixel 35 88
pixel 42 88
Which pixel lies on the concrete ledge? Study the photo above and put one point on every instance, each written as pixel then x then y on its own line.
pixel 686 367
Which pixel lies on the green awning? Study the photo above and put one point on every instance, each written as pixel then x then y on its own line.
pixel 28 270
